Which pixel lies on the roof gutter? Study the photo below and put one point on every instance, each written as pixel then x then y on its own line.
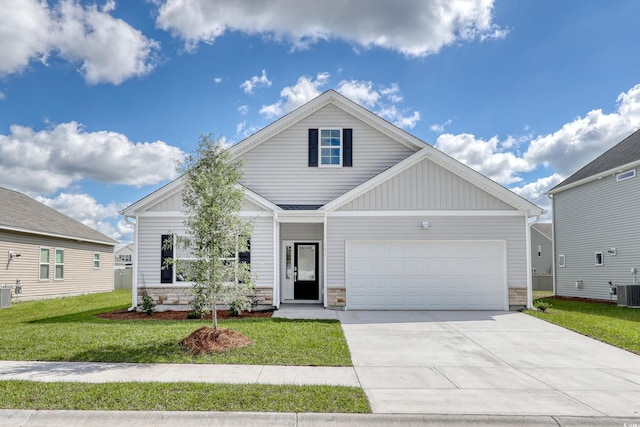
pixel 595 177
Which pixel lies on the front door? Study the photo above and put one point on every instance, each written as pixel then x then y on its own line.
pixel 305 272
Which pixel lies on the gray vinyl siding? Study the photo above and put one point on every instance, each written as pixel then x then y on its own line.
pixel 301 232
pixel 79 275
pixel 426 185
pixel 278 169
pixel 543 263
pixel 597 216
pixel 150 230
pixel 510 229
pixel 172 203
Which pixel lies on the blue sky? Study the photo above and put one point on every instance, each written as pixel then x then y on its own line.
pixel 98 100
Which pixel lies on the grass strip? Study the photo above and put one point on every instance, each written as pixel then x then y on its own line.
pixel 618 326
pixel 182 397
pixel 67 329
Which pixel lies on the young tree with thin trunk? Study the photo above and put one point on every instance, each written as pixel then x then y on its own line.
pixel 216 233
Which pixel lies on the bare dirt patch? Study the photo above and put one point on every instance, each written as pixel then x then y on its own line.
pixel 177 315
pixel 208 340
pixel 578 299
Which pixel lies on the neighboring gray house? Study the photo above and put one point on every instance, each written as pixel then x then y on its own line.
pixel 48 253
pixel 596 220
pixel 352 212
pixel 542 256
pixel 124 256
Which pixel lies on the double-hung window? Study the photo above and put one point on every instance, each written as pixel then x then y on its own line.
pixel 59 272
pixel 330 147
pixel 96 260
pixel 44 263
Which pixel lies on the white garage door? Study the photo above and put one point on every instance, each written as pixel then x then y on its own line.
pixel 419 275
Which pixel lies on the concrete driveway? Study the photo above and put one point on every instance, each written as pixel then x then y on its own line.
pixel 507 363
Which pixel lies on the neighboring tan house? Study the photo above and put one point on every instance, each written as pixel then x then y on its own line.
pixel 542 256
pixel 49 254
pixel 352 212
pixel 596 220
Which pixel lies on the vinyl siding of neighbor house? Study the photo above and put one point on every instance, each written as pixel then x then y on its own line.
pixel 426 185
pixel 79 275
pixel 278 169
pixel 597 216
pixel 543 263
pixel 508 228
pixel 151 228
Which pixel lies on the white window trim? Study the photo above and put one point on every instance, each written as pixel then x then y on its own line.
pixel 56 264
pixel 562 261
pixel 40 264
pixel 626 175
pixel 176 259
pixel 94 261
pixel 601 253
pixel 320 165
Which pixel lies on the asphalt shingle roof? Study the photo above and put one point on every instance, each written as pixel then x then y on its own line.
pixel 626 151
pixel 20 212
pixel 544 228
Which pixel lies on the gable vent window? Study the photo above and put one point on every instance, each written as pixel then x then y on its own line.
pixel 626 175
pixel 330 147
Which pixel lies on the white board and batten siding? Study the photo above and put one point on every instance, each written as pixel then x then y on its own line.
pixel 278 170
pixel 597 216
pixel 151 228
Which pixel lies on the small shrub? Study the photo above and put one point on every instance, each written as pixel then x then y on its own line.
pixel 200 302
pixel 148 306
pixel 541 305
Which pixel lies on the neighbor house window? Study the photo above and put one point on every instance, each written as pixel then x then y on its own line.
pixel 59 272
pixel 96 260
pixel 626 175
pixel 125 258
pixel 539 250
pixel 44 263
pixel 599 260
pixel 561 260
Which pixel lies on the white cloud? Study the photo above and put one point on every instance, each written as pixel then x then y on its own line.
pixel 535 192
pixel 217 80
pixel 85 209
pixel 440 127
pixel 108 49
pixel 305 89
pixel 414 28
pixel 359 91
pixel 583 139
pixel 243 110
pixel 256 81
pixel 52 159
pixel 484 156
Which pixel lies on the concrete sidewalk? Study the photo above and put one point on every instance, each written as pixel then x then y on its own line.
pixel 93 372
pixel 10 417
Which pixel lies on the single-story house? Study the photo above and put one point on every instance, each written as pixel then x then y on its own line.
pixel 47 254
pixel 596 226
pixel 352 212
pixel 542 256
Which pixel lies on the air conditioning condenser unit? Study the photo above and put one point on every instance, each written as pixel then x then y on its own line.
pixel 629 296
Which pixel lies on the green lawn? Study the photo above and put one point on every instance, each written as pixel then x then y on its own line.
pixel 182 397
pixel 618 326
pixel 67 330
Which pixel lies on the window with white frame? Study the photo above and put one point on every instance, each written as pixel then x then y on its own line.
pixel 184 258
pixel 330 147
pixel 96 260
pixel 599 259
pixel 44 263
pixel 626 175
pixel 59 264
pixel 561 260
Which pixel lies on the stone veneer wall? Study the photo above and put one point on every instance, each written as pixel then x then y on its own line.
pixel 517 298
pixel 337 298
pixel 179 298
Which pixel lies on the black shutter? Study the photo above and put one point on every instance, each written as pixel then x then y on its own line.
pixel 245 257
pixel 347 147
pixel 313 147
pixel 166 272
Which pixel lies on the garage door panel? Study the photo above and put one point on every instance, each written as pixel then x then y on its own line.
pixel 426 275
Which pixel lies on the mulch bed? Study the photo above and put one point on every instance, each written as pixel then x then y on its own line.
pixel 578 299
pixel 178 315
pixel 208 340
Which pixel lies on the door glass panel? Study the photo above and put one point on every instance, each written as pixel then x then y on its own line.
pixel 288 259
pixel 306 262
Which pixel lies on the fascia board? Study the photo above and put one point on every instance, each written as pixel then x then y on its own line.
pixel 595 177
pixel 157 196
pixel 59 236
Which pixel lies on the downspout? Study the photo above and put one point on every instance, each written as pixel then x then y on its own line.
pixel 324 263
pixel 529 274
pixel 134 278
pixel 276 261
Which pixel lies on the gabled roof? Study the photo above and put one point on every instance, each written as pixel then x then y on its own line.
pixel 544 228
pixel 21 213
pixel 622 156
pixel 449 163
pixel 330 97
